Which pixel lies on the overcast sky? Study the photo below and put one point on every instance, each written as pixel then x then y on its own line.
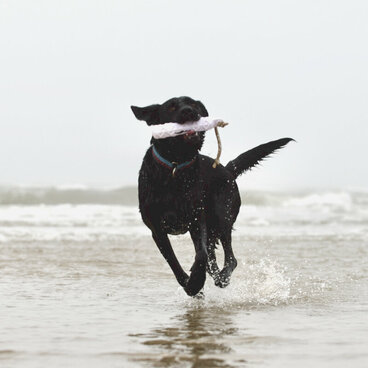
pixel 70 69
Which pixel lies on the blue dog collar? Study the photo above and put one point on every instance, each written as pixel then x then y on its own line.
pixel 170 165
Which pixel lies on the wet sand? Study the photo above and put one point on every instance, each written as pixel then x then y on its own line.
pixel 86 286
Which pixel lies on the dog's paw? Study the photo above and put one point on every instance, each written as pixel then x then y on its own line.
pixel 195 285
pixel 193 289
pixel 222 283
pixel 223 279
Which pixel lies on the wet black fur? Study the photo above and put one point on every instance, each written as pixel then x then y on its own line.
pixel 199 199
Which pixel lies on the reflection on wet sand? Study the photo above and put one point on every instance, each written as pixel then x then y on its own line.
pixel 197 339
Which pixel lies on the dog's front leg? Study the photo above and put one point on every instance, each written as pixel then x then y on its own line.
pixel 164 245
pixel 198 271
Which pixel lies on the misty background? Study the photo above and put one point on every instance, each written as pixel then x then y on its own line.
pixel 69 71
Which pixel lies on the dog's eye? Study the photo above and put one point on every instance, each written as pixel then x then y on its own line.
pixel 193 104
pixel 172 108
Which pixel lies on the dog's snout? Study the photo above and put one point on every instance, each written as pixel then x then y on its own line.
pixel 186 110
pixel 188 114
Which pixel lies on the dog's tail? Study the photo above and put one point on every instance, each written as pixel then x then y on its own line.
pixel 254 156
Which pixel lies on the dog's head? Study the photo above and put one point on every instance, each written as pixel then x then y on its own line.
pixel 179 110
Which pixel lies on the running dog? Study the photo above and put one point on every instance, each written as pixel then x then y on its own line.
pixel 180 191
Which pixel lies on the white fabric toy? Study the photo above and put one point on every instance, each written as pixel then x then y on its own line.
pixel 174 129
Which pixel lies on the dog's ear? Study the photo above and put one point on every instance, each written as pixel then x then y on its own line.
pixel 150 114
pixel 202 109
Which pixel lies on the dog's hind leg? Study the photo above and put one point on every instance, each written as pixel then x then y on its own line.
pixel 164 245
pixel 198 271
pixel 212 267
pixel 230 262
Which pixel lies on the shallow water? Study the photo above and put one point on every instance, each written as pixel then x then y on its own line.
pixel 85 285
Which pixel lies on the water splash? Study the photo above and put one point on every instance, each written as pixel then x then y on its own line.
pixel 262 282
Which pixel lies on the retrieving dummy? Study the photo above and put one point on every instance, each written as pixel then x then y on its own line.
pixel 167 130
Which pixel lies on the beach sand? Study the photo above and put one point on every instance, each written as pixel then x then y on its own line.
pixel 84 285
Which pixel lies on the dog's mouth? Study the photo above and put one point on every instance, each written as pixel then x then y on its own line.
pixel 191 136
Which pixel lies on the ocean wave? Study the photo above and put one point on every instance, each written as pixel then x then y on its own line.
pixel 27 235
pixel 80 194
pixel 304 215
pixel 94 223
pixel 68 215
pixel 338 200
pixel 76 194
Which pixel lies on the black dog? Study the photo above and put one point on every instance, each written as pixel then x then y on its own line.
pixel 180 191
